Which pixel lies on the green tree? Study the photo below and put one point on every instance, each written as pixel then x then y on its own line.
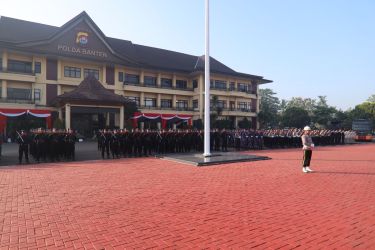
pixel 295 117
pixel 244 123
pixel 269 108
pixel 371 98
pixel 322 114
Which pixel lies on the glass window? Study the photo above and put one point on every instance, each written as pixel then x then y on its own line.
pixel 37 94
pixel 38 67
pixel 121 76
pixel 195 83
pixel 242 105
pixel 94 72
pixel 195 104
pixel 242 87
pixel 220 84
pixel 134 99
pixel 166 83
pixel 181 84
pixel 166 103
pixel 132 79
pixel 18 94
pixel 150 80
pixel 212 84
pixel 19 66
pixel 150 102
pixel 182 104
pixel 232 86
pixel 72 72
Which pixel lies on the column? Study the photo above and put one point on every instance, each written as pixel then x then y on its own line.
pixel 4 89
pixel 122 117
pixel 159 80
pixel 60 114
pixel 5 60
pixel 107 119
pixel 142 99
pixel 59 91
pixel 174 100
pixel 67 116
pixel 104 77
pixel 142 77
pixel 174 81
pixel 200 102
pixel 158 101
pixel 59 69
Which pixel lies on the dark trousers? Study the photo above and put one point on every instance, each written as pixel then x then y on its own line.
pixel 306 158
pixel 23 150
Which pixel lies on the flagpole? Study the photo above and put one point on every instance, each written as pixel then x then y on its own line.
pixel 207 126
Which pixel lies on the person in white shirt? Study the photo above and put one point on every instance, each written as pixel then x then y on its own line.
pixel 308 145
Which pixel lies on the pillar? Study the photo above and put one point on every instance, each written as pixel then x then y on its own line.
pixel 104 77
pixel 159 80
pixel 158 101
pixel 107 119
pixel 5 60
pixel 59 91
pixel 159 125
pixel 60 114
pixel 67 116
pixel 174 100
pixel 142 77
pixel 174 81
pixel 4 89
pixel 142 99
pixel 122 117
pixel 59 69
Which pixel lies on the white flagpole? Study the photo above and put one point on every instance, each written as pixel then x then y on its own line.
pixel 207 126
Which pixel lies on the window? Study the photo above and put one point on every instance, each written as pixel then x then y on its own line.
pixel 195 84
pixel 212 84
pixel 219 104
pixel 72 72
pixel 134 99
pixel 150 102
pixel 121 76
pixel 18 94
pixel 166 83
pixel 195 104
pixel 37 94
pixel 242 106
pixel 166 103
pixel 131 79
pixel 242 87
pixel 181 84
pixel 220 84
pixel 38 67
pixel 183 104
pixel 150 81
pixel 19 66
pixel 232 86
pixel 93 72
pixel 1 63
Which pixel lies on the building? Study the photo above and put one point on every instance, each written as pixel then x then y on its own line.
pixel 41 63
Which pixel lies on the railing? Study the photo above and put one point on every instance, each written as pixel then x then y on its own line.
pixel 166 108
pixel 254 92
pixel 21 72
pixel 14 100
pixel 157 86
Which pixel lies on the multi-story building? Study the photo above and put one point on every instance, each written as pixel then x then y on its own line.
pixel 41 62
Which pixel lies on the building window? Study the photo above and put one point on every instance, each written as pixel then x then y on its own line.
pixel 72 72
pixel 131 79
pixel 1 64
pixel 195 104
pixel 150 102
pixel 212 84
pixel 121 76
pixel 166 103
pixel 242 106
pixel 232 86
pixel 134 99
pixel 19 66
pixel 37 94
pixel 38 68
pixel 166 83
pixel 220 84
pixel 242 87
pixel 150 81
pixel 182 104
pixel 18 94
pixel 181 84
pixel 218 104
pixel 93 72
pixel 195 84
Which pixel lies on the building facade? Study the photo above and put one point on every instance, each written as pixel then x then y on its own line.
pixel 41 62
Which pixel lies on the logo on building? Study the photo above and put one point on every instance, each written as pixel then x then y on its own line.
pixel 82 38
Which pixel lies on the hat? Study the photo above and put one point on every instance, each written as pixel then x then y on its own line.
pixel 307 128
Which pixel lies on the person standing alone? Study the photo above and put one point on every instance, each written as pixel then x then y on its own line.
pixel 308 145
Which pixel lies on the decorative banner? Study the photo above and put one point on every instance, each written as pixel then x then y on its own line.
pixel 12 114
pixel 38 115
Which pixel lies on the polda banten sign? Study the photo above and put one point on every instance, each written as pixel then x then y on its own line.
pixel 81 51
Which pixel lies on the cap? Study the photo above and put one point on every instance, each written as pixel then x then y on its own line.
pixel 307 128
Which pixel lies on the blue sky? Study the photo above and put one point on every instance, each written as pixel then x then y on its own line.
pixel 308 48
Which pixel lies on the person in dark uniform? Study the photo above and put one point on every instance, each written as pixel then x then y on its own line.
pixel 224 140
pixel 23 146
pixel 1 143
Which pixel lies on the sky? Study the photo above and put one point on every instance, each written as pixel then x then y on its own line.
pixel 308 48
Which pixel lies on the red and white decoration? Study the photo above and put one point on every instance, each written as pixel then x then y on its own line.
pixel 164 118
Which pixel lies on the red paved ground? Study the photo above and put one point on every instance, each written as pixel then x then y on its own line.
pixel 152 203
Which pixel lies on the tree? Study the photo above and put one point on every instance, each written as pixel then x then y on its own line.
pixel 307 104
pixel 322 114
pixel 269 108
pixel 296 117
pixel 371 98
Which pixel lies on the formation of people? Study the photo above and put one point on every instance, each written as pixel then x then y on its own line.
pixel 46 145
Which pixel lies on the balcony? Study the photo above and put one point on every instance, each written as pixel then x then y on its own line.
pixel 14 100
pixel 156 86
pixel 166 108
pixel 17 75
pixel 253 92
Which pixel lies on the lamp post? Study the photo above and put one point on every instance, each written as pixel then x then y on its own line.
pixel 207 126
